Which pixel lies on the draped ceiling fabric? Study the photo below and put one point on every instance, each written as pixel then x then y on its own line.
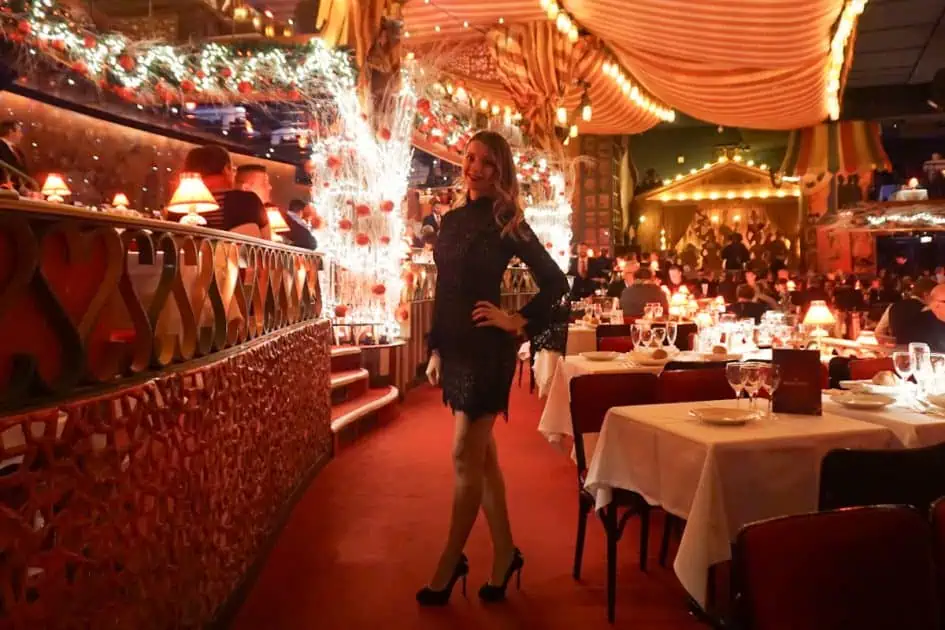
pixel 746 63
pixel 845 147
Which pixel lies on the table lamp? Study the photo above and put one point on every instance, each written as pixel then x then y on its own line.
pixel 192 198
pixel 276 222
pixel 54 188
pixel 120 202
pixel 819 316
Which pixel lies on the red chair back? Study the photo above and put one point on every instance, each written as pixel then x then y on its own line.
pixel 592 395
pixel 865 568
pixel 693 385
pixel 864 369
pixel 615 344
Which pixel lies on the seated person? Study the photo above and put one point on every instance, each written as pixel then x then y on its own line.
pixel 238 208
pixel 930 323
pixel 899 320
pixel 643 291
pixel 299 233
pixel 626 279
pixel 746 306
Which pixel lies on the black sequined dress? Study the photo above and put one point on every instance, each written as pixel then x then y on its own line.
pixel 477 364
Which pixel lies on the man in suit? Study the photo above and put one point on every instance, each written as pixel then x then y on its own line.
pixel 746 306
pixel 299 233
pixel 584 269
pixel 433 219
pixel 14 162
pixel 643 291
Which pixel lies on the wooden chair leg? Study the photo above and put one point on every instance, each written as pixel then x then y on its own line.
pixel 644 537
pixel 584 508
pixel 610 528
pixel 710 589
pixel 669 526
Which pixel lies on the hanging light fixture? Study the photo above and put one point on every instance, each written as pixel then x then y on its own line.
pixel 586 111
pixel 562 116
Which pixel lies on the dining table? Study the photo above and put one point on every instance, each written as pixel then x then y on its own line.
pixel 720 478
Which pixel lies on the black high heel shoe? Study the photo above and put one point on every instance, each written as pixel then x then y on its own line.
pixel 426 596
pixel 492 593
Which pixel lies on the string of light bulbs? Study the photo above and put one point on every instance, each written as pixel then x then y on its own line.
pixel 838 46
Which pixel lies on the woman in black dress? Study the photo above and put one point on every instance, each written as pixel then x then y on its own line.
pixel 473 344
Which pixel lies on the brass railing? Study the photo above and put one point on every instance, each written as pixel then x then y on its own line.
pixel 89 298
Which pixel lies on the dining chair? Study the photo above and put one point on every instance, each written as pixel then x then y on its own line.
pixel 605 331
pixel 592 396
pixel 865 369
pixel 851 477
pixel 615 344
pixel 868 568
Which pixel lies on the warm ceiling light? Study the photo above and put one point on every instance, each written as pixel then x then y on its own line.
pixel 586 112
pixel 562 116
pixel 501 20
pixel 573 132
pixel 437 28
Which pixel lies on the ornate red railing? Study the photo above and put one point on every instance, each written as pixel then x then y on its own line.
pixel 88 298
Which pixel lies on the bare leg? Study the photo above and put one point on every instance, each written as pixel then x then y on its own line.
pixel 470 444
pixel 496 510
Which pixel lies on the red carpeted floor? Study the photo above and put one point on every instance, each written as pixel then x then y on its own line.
pixel 367 532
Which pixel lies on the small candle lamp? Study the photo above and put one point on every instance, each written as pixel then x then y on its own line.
pixel 276 223
pixel 720 304
pixel 192 198
pixel 819 316
pixel 120 202
pixel 55 189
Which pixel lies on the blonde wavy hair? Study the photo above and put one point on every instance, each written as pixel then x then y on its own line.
pixel 507 207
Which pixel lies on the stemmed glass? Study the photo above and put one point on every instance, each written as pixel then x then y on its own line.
pixel 936 373
pixel 736 379
pixel 659 334
pixel 770 380
pixel 635 331
pixel 921 364
pixel 751 381
pixel 903 364
pixel 671 331
pixel 646 337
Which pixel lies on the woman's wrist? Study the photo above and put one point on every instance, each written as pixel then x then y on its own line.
pixel 518 324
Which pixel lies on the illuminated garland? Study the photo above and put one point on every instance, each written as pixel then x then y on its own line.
pixel 161 74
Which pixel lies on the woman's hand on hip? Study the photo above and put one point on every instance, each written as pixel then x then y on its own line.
pixel 488 314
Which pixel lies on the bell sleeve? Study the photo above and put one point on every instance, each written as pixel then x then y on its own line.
pixel 540 311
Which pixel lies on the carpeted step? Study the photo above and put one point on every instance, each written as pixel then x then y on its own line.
pixel 345 358
pixel 348 385
pixel 355 417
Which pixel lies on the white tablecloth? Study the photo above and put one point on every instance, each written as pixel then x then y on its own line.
pixel 911 428
pixel 910 194
pixel 719 478
pixel 556 418
pixel 581 339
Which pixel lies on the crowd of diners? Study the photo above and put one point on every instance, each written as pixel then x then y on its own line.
pixel 901 305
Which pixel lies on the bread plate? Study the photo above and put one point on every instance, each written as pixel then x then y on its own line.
pixel 600 356
pixel 724 416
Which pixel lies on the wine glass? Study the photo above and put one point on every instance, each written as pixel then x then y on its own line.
pixel 635 331
pixel 770 380
pixel 751 381
pixel 921 366
pixel 937 373
pixel 646 337
pixel 659 334
pixel 671 331
pixel 903 364
pixel 736 379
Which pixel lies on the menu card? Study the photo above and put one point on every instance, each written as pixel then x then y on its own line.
pixel 799 391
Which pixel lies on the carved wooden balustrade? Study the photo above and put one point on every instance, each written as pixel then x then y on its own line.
pixel 166 392
pixel 88 298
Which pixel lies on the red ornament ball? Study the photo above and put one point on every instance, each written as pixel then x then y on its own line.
pixel 317 222
pixel 387 206
pixel 89 42
pixel 226 73
pixel 384 134
pixel 378 289
pixel 363 210
pixel 126 62
pixel 402 314
pixel 333 162
pixel 293 95
pixel 385 240
pixel 244 87
pixel 362 239
pixel 24 27
pixel 345 224
pixel 81 67
pixel 187 85
pixel 59 45
pixel 341 310
pixel 423 105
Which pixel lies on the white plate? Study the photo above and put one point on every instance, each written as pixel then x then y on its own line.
pixel 863 400
pixel 600 356
pixel 711 356
pixel 870 387
pixel 937 399
pixel 646 358
pixel 723 416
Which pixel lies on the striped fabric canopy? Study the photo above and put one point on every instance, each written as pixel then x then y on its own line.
pixel 843 147
pixel 749 63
